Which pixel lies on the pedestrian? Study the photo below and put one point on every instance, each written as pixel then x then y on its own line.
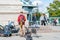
pixel 21 22
pixel 43 19
pixel 46 19
pixel 28 34
pixel 34 18
pixel 55 22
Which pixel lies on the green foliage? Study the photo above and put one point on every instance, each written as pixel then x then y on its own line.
pixel 54 9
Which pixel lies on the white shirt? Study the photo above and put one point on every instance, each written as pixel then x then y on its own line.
pixel 42 18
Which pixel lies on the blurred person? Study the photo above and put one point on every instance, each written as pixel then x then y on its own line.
pixel 21 22
pixel 11 24
pixel 46 19
pixel 34 18
pixel 43 19
pixel 55 21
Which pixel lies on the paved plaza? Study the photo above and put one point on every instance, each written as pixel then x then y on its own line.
pixel 42 34
pixel 39 36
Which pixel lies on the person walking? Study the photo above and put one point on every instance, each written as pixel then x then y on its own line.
pixel 43 19
pixel 34 18
pixel 21 22
pixel 55 21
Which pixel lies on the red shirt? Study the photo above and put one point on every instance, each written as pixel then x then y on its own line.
pixel 20 17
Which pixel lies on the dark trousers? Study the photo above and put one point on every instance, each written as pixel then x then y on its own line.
pixel 43 22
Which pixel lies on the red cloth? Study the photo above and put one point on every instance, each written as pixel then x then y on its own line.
pixel 20 17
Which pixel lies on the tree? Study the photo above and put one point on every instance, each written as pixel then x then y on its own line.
pixel 54 9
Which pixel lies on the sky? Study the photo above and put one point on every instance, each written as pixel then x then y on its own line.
pixel 42 4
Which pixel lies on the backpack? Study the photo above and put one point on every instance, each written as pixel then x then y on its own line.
pixel 21 18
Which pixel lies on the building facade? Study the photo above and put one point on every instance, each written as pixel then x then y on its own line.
pixel 9 10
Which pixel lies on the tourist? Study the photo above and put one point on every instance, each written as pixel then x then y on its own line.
pixel 55 21
pixel 43 19
pixel 21 21
pixel 34 18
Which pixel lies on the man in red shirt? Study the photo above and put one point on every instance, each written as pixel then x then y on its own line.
pixel 21 22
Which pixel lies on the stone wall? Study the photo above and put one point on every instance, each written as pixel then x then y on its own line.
pixel 9 10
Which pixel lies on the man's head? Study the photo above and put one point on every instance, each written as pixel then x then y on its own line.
pixel 21 12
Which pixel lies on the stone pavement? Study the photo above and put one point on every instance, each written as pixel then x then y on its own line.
pixel 43 33
pixel 47 36
pixel 38 36
pixel 48 29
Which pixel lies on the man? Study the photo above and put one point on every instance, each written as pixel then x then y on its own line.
pixel 34 18
pixel 21 22
pixel 43 19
